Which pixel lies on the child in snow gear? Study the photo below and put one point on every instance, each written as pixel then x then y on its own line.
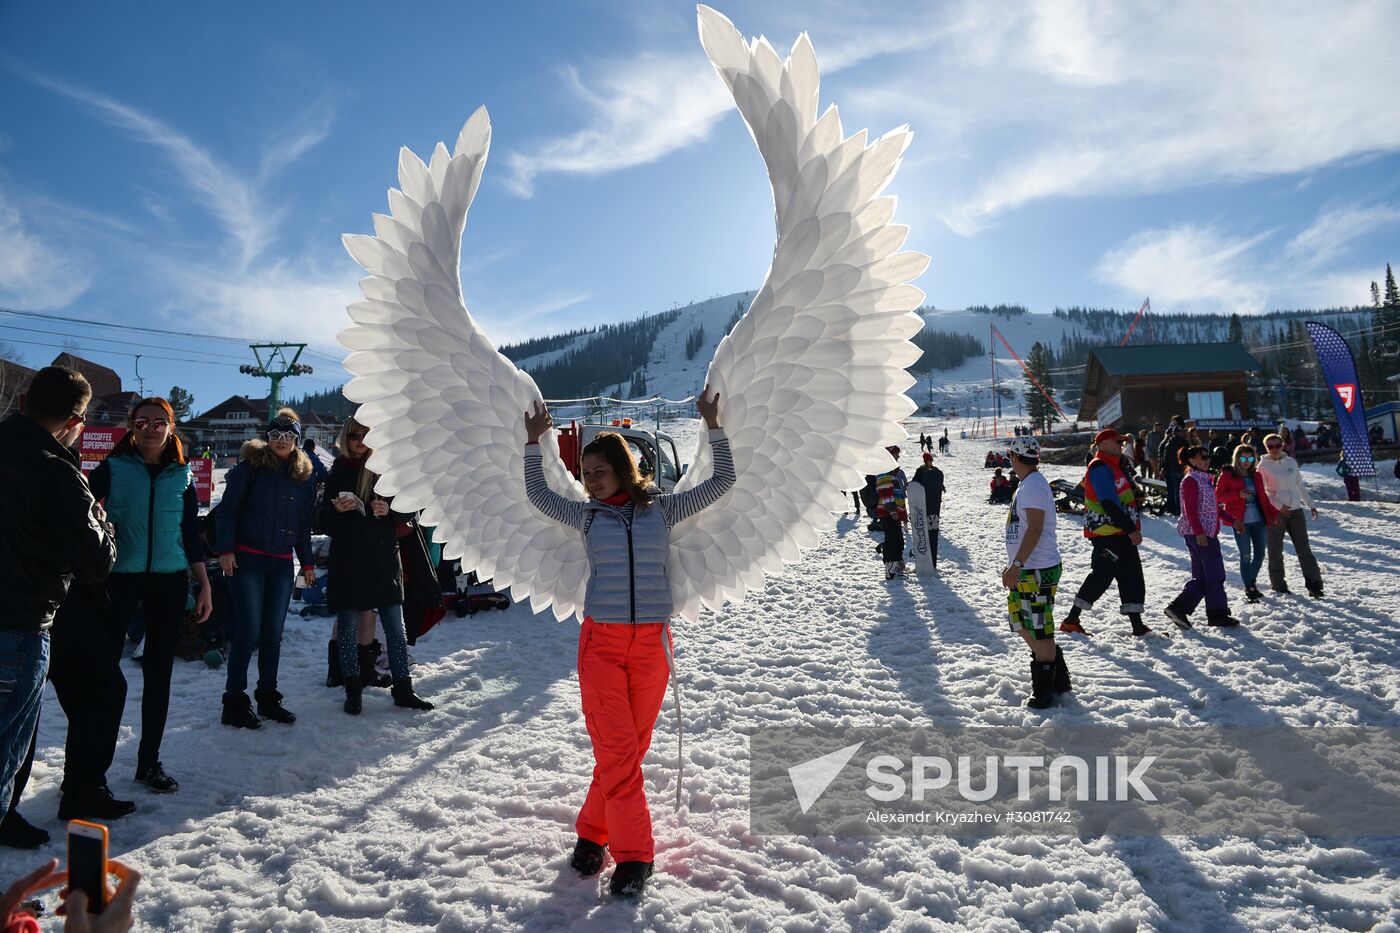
pixel 264 517
pixel 148 491
pixel 365 574
pixel 1113 526
pixel 625 646
pixel 1199 526
pixel 892 512
pixel 1033 572
pixel 1283 482
pixel 1243 501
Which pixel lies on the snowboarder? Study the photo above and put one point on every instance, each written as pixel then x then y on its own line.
pixel 625 647
pixel 931 478
pixel 1113 524
pixel 1033 572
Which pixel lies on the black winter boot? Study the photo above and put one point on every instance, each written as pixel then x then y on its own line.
pixel 333 677
pixel 1139 627
pixel 1221 618
pixel 1061 683
pixel 270 707
pixel 18 833
pixel 1179 616
pixel 238 711
pixel 353 689
pixel 405 697
pixel 587 859
pixel 629 878
pixel 369 673
pixel 1042 684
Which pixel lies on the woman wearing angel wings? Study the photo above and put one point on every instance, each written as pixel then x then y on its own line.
pixel 812 379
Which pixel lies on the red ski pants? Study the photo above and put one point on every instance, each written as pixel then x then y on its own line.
pixel 622 676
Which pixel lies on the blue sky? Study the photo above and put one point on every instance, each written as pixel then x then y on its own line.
pixel 191 166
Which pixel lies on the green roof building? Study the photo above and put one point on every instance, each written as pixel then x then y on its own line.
pixel 1133 387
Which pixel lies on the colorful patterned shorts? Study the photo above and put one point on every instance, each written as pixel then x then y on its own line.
pixel 1031 602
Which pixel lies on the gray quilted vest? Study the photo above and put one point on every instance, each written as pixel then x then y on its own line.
pixel 628 582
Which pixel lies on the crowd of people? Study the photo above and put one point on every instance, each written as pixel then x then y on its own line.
pixel 89 560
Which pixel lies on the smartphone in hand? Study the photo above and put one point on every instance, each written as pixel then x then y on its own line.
pixel 87 862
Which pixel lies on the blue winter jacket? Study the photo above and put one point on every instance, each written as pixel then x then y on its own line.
pixel 264 507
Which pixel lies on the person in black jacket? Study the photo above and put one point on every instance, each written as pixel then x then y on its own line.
pixel 365 573
pixel 1172 470
pixel 931 478
pixel 264 516
pixel 52 533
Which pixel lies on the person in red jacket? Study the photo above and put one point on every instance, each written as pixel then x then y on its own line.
pixel 1246 505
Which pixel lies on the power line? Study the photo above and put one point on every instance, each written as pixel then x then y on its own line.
pixel 128 343
pixel 149 356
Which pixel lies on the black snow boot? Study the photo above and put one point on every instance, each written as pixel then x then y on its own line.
pixel 18 833
pixel 1221 618
pixel 353 691
pixel 333 676
pixel 404 696
pixel 629 878
pixel 369 672
pixel 1139 628
pixel 1252 594
pixel 1042 684
pixel 238 711
pixel 588 857
pixel 1178 616
pixel 1062 683
pixel 270 707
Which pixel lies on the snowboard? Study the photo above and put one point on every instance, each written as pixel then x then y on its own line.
pixel 919 529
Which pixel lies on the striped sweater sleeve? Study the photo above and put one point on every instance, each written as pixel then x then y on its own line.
pixel 565 511
pixel 677 507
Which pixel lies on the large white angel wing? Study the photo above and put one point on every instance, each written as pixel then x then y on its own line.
pixel 446 410
pixel 812 377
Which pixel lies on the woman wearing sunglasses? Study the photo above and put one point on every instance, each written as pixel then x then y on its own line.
pixel 149 495
pixel 365 574
pixel 1283 481
pixel 1199 525
pixel 1245 503
pixel 264 516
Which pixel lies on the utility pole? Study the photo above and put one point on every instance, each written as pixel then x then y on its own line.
pixel 139 381
pixel 274 364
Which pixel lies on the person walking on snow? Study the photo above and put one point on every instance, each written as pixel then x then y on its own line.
pixel 1246 505
pixel 625 645
pixel 1113 525
pixel 1349 479
pixel 1283 482
pixel 1199 526
pixel 1033 572
pixel 892 512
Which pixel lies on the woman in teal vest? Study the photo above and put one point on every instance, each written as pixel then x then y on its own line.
pixel 151 500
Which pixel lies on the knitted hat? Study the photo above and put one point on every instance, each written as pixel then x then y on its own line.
pixel 285 423
pixel 928 457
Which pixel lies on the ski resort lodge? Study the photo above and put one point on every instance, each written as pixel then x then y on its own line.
pixel 1132 387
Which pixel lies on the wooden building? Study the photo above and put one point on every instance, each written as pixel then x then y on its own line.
pixel 1132 387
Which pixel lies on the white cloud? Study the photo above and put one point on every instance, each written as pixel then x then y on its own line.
pixel 644 108
pixel 35 274
pixel 1194 268
pixel 1159 98
pixel 1187 265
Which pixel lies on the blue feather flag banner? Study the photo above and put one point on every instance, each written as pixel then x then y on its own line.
pixel 1339 369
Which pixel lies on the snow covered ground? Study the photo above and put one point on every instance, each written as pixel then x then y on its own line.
pixel 461 819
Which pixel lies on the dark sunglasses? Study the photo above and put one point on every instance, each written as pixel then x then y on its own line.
pixel 355 436
pixel 159 424
pixel 1274 446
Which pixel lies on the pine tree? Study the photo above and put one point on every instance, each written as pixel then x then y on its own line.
pixel 1236 329
pixel 182 402
pixel 1392 294
pixel 1038 408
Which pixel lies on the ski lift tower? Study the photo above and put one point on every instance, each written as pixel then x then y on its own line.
pixel 276 361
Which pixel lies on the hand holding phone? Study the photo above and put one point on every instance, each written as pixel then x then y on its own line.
pixel 87 862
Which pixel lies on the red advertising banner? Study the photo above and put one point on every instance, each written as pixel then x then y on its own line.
pixel 203 471
pixel 95 444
